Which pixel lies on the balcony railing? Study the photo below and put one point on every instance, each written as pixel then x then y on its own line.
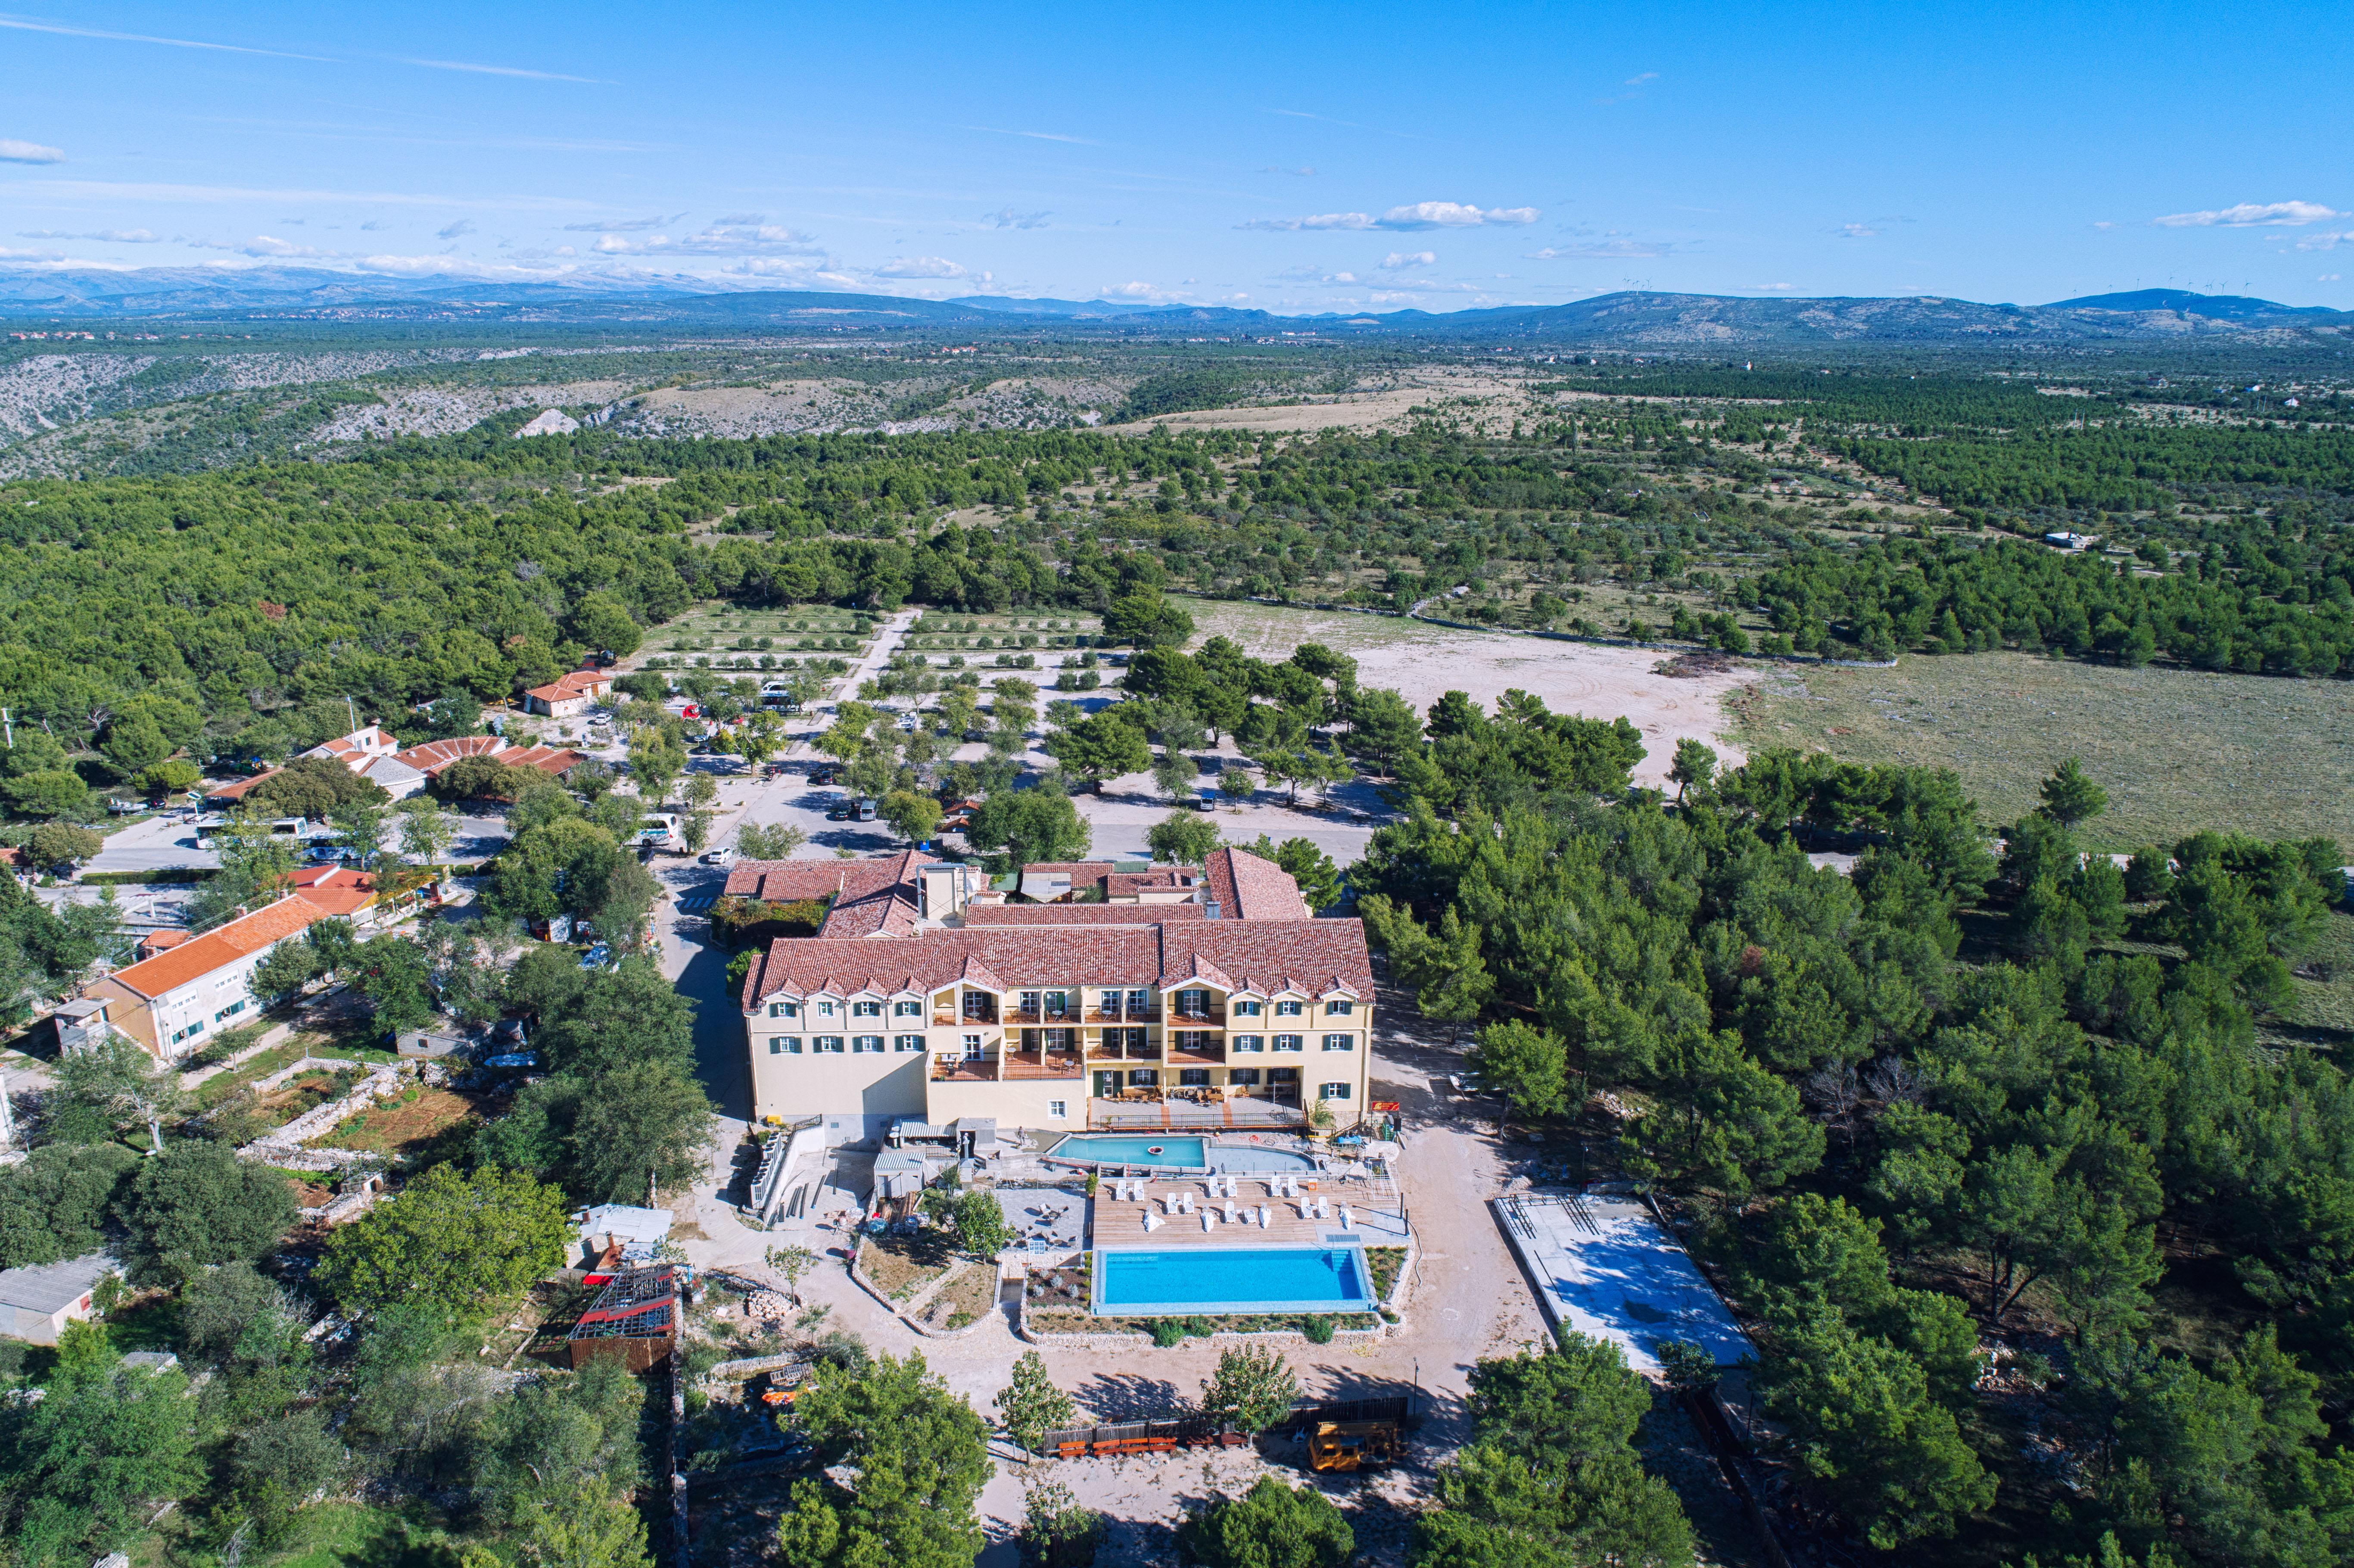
pixel 1211 1018
pixel 1042 1064
pixel 1123 1015
pixel 970 1070
pixel 1102 1053
pixel 1204 1056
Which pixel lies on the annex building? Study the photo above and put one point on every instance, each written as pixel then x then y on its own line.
pixel 1068 996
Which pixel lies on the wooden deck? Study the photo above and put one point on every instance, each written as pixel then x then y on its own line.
pixel 1379 1223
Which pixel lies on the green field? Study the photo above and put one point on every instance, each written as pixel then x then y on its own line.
pixel 2177 750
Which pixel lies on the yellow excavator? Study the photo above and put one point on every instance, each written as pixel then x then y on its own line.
pixel 1353 1445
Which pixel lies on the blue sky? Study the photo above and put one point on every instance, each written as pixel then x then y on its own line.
pixel 1291 158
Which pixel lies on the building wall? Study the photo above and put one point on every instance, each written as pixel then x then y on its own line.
pixel 873 1086
pixel 127 1010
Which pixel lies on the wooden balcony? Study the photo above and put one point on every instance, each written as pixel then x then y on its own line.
pixel 1123 1015
pixel 1211 1056
pixel 1042 1064
pixel 970 1070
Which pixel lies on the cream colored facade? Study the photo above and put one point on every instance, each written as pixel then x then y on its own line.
pixel 1036 1056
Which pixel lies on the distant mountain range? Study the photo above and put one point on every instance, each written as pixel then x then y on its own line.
pixel 1621 320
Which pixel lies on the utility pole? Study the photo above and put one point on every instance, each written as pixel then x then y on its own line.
pixel 8 724
pixel 351 713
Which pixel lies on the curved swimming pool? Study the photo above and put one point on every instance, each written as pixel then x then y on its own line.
pixel 1176 1152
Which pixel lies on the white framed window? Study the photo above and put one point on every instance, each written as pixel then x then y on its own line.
pixel 907 1010
pixel 861 1043
pixel 1247 1043
pixel 1340 1007
pixel 1288 1009
pixel 865 1009
pixel 1246 1008
pixel 825 1010
pixel 1332 1091
pixel 907 1042
pixel 1195 1003
pixel 1290 1043
pixel 784 1045
pixel 784 1010
pixel 972 1045
pixel 1340 1041
pixel 1057 1110
pixel 826 1046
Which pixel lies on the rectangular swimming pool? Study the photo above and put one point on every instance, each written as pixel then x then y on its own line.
pixel 1176 1152
pixel 1138 1282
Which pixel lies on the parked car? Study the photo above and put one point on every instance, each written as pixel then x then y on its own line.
pixel 841 814
pixel 721 856
pixel 866 809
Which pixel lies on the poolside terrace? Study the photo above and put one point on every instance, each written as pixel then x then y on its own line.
pixel 1378 1221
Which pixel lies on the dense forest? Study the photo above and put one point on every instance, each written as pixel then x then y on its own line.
pixel 1946 1129
pixel 144 615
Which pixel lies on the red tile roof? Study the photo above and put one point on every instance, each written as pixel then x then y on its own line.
pixel 1310 956
pixel 1249 888
pixel 434 756
pixel 1081 914
pixel 334 890
pixel 249 934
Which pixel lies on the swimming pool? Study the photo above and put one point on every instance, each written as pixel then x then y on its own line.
pixel 1176 1152
pixel 1138 1282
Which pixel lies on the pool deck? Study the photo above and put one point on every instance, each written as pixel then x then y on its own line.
pixel 1379 1222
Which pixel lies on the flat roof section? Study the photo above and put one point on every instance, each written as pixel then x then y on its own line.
pixel 1603 1266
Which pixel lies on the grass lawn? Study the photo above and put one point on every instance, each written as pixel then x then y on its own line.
pixel 2325 984
pixel 2177 750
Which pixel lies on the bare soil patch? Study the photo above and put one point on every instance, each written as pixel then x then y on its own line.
pixel 406 1126
pixel 1422 661
pixel 900 1266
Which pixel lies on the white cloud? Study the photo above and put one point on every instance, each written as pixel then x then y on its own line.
pixel 1319 220
pixel 2252 214
pixel 1606 250
pixel 2329 241
pixel 8 253
pixel 13 152
pixel 1006 217
pixel 135 190
pixel 262 244
pixel 1639 80
pixel 505 70
pixel 2327 278
pixel 741 217
pixel 1303 171
pixel 1774 288
pixel 746 240
pixel 1036 135
pixel 1397 260
pixel 111 236
pixel 1856 231
pixel 455 231
pixel 26 25
pixel 1414 216
pixel 621 224
pixel 457 267
pixel 1453 215
pixel 919 267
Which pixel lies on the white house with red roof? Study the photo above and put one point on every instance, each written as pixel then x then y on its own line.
pixel 570 695
pixel 925 994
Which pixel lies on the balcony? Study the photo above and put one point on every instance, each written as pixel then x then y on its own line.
pixel 1215 1018
pixel 1123 1015
pixel 970 1070
pixel 1042 1064
pixel 1211 1053
pixel 1102 1053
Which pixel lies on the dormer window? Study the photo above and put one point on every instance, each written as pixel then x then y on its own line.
pixel 784 1010
pixel 865 1009
pixel 1246 1008
pixel 1339 1007
pixel 907 1010
pixel 1289 1008
pixel 825 1010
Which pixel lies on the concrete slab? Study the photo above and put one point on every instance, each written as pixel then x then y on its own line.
pixel 1604 1267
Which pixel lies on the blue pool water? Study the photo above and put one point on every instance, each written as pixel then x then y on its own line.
pixel 1176 1152
pixel 1232 1279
